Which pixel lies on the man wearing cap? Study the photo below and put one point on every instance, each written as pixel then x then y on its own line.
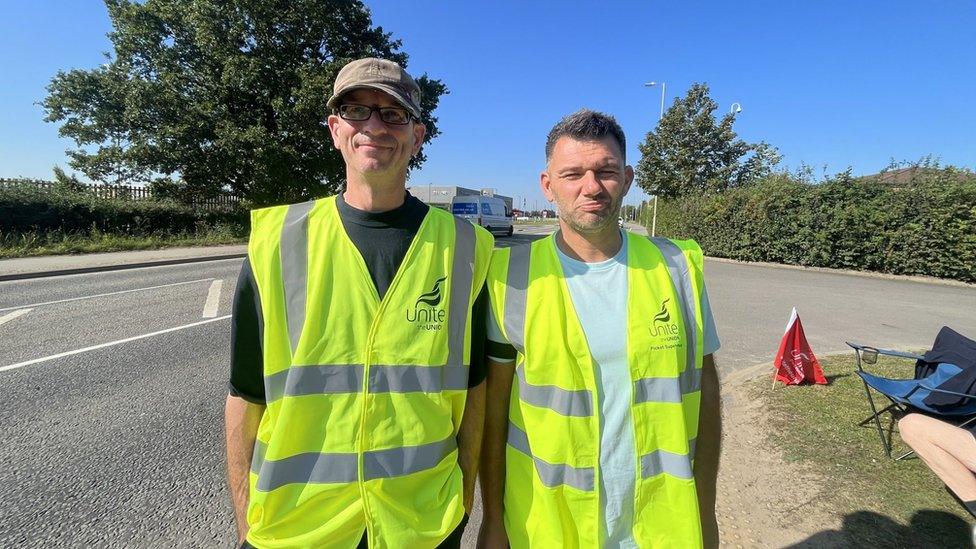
pixel 353 417
pixel 602 420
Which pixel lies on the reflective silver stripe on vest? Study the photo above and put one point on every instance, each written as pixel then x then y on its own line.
pixel 657 389
pixel 551 475
pixel 690 379
pixel 314 380
pixel 396 462
pixel 294 267
pixel 462 275
pixel 660 461
pixel 417 379
pixel 517 286
pixel 348 378
pixel 559 400
pixel 309 468
pixel 316 468
pixel 257 457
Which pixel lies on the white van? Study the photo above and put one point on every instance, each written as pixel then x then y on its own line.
pixel 487 211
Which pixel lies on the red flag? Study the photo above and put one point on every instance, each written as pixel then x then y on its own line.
pixel 795 361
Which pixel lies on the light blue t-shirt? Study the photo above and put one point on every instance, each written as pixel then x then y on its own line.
pixel 599 294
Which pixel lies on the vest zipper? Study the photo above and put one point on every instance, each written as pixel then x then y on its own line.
pixel 599 449
pixel 362 421
pixel 361 443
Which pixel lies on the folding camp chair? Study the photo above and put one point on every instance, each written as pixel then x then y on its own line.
pixel 909 395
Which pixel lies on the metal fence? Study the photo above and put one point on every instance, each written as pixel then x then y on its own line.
pixel 127 192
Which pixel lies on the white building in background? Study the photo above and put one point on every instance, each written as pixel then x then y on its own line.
pixel 440 196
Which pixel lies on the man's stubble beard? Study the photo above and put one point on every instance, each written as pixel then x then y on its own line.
pixel 393 173
pixel 600 226
pixel 387 176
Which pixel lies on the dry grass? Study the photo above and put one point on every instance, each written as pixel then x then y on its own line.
pixel 884 503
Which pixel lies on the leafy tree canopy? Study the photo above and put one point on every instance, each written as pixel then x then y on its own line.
pixel 691 153
pixel 203 95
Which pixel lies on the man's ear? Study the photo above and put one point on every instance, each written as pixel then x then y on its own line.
pixel 545 183
pixel 419 131
pixel 333 123
pixel 629 174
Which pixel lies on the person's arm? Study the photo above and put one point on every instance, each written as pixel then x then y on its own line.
pixel 473 421
pixel 241 420
pixel 244 405
pixel 708 449
pixel 499 393
pixel 469 440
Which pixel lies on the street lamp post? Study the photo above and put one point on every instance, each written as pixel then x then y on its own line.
pixel 735 109
pixel 664 87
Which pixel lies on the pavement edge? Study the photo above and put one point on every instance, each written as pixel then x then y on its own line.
pixel 118 267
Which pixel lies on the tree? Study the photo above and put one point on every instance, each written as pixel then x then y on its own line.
pixel 630 212
pixel 691 153
pixel 67 183
pixel 200 96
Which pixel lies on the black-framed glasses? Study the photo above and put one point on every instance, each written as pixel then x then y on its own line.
pixel 390 115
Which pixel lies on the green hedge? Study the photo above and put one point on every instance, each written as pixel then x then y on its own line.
pixel 30 209
pixel 923 227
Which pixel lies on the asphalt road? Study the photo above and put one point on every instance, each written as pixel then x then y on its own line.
pixel 752 304
pixel 113 385
pixel 118 446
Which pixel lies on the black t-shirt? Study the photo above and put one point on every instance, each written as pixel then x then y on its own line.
pixel 382 239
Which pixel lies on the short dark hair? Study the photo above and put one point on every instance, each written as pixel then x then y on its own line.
pixel 587 125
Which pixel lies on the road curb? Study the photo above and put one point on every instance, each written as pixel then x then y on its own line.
pixel 118 267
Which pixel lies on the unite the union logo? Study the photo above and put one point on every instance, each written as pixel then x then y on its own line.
pixel 665 334
pixel 426 313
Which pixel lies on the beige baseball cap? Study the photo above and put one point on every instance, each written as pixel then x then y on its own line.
pixel 378 74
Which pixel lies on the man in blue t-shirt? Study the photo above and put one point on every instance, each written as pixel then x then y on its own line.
pixel 587 178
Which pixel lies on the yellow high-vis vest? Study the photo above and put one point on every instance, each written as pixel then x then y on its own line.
pixel 552 492
pixel 364 397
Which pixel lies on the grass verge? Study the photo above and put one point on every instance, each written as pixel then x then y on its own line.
pixel 884 503
pixel 56 243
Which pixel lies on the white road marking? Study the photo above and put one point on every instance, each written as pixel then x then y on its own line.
pixel 10 316
pixel 213 299
pixel 103 295
pixel 109 344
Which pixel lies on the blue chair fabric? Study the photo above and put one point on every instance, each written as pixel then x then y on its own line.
pixel 914 392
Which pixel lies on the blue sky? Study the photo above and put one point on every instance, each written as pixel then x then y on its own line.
pixel 832 84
